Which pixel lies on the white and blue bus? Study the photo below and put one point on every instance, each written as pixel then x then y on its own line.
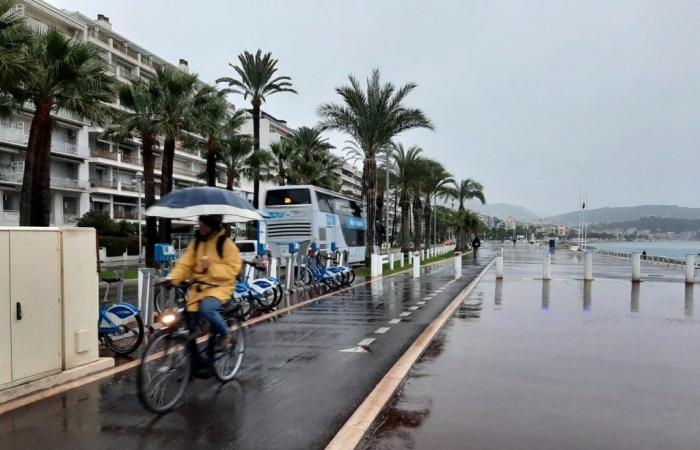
pixel 303 213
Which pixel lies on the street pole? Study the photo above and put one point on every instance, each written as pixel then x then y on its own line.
pixel 139 176
pixel 386 203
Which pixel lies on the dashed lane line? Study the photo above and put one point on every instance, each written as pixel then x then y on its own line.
pixel 405 314
pixel 381 330
pixel 394 321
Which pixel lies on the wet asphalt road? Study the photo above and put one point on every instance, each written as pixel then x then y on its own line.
pixel 295 391
pixel 529 365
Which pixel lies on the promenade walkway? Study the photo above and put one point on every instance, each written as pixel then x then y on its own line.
pixel 298 386
pixel 526 364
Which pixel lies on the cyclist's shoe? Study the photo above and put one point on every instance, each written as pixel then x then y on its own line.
pixel 222 343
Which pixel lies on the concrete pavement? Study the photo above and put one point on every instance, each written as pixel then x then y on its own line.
pixel 564 364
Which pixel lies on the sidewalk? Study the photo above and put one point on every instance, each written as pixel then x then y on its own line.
pixel 526 364
pixel 302 377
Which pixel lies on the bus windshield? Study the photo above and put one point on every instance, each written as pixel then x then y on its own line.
pixel 287 197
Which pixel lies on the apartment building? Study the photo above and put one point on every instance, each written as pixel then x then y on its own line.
pixel 87 171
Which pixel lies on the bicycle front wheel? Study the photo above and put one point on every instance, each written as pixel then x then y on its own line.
pixel 227 363
pixel 127 338
pixel 164 372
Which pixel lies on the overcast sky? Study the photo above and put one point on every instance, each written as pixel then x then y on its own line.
pixel 538 100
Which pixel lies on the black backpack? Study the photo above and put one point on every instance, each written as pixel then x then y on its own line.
pixel 219 244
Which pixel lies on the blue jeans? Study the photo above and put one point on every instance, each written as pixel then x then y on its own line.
pixel 210 309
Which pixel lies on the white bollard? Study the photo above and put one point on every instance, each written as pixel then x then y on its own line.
pixel 458 265
pixel 290 273
pixel 690 269
pixel 416 265
pixel 391 261
pixel 375 265
pixel 499 265
pixel 401 262
pixel 588 266
pixel 636 266
pixel 547 267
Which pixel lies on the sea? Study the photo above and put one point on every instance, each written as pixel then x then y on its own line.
pixel 671 249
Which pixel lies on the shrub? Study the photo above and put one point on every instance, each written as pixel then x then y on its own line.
pixel 116 246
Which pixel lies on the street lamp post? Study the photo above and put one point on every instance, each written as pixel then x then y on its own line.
pixel 386 202
pixel 139 176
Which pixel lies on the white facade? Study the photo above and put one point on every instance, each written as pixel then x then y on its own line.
pixel 87 171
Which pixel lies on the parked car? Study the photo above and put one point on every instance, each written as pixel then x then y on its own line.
pixel 247 249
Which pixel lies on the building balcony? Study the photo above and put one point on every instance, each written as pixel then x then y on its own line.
pixel 60 113
pixel 104 184
pixel 70 184
pixel 126 215
pixel 68 149
pixel 11 177
pixel 98 153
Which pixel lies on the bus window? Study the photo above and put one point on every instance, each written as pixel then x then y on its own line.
pixel 288 197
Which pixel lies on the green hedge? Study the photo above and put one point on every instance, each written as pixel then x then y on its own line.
pixel 116 246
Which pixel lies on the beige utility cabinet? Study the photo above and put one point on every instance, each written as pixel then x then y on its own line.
pixel 30 303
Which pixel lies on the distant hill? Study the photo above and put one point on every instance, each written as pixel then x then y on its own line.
pixel 502 210
pixel 626 214
pixel 653 224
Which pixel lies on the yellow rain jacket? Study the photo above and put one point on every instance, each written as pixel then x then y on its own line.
pixel 222 270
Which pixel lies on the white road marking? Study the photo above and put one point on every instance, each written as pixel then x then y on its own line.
pixel 365 342
pixel 381 330
pixel 420 303
pixel 413 308
pixel 394 321
pixel 405 314
pixel 355 350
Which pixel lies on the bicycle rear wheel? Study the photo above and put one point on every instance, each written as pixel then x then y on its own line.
pixel 128 338
pixel 164 372
pixel 227 363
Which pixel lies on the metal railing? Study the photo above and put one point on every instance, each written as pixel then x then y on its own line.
pixel 107 184
pixel 99 153
pixel 68 183
pixel 14 135
pixel 67 148
pixel 126 215
pixel 662 260
pixel 11 176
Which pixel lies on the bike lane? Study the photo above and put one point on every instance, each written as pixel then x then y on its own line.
pixel 304 374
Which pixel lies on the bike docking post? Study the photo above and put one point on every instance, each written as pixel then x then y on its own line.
pixel 690 269
pixel 458 265
pixel 588 266
pixel 636 267
pixel 416 265
pixel 499 265
pixel 289 281
pixel 391 261
pixel 146 288
pixel 547 266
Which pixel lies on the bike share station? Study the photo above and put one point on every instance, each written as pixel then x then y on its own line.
pixel 48 292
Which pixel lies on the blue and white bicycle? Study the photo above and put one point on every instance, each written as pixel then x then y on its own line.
pixel 119 326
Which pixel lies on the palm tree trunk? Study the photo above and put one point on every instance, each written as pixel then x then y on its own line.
pixel 417 212
pixel 256 146
pixel 380 216
pixel 166 183
pixel 149 196
pixel 370 180
pixel 35 200
pixel 393 222
pixel 211 163
pixel 405 222
pixel 427 215
pixel 229 179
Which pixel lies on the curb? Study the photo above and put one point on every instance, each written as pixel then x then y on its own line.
pixel 354 429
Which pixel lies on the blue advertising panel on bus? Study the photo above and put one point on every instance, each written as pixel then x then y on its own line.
pixel 355 223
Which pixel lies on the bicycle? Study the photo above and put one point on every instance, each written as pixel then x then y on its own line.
pixel 119 326
pixel 167 361
pixel 265 293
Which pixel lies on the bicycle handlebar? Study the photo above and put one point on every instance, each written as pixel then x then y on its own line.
pixel 186 283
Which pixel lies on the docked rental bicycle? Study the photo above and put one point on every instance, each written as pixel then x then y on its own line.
pixel 168 361
pixel 119 325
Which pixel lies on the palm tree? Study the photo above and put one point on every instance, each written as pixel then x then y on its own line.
pixel 136 120
pixel 435 182
pixel 372 117
pixel 283 155
pixel 406 165
pixel 235 153
pixel 313 162
pixel 466 190
pixel 175 111
pixel 465 222
pixel 65 74
pixel 210 119
pixel 469 189
pixel 257 81
pixel 14 35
